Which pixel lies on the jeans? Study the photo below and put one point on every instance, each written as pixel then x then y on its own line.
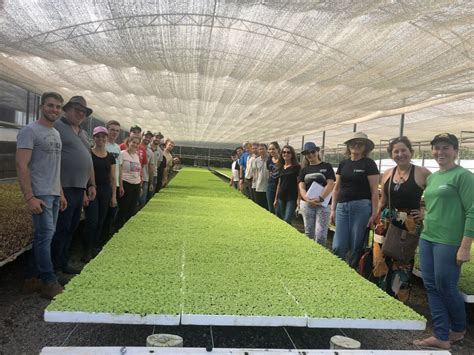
pixel 95 216
pixel 286 210
pixel 440 276
pixel 39 262
pixel 127 203
pixel 271 191
pixel 150 194
pixel 246 186
pixel 261 199
pixel 316 222
pixel 142 200
pixel 351 226
pixel 108 227
pixel 68 220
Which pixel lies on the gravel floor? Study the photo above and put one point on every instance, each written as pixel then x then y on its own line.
pixel 23 331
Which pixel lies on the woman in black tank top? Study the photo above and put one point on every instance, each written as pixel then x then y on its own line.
pixel 403 185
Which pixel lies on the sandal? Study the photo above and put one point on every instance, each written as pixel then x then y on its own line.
pixel 432 343
pixel 456 337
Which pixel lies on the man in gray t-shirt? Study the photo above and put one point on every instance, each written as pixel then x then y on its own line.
pixel 38 161
pixel 77 180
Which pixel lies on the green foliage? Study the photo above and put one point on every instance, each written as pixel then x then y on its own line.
pixel 200 247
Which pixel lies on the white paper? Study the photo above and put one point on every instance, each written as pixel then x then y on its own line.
pixel 315 191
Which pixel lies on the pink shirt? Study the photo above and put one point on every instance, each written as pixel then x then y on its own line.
pixel 131 167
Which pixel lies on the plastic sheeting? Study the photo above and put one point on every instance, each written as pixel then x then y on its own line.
pixel 220 72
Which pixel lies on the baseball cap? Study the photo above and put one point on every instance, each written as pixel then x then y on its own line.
pixel 100 129
pixel 135 128
pixel 446 137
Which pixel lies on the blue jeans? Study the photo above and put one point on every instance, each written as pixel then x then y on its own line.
pixel 142 200
pixel 441 276
pixel 68 220
pixel 39 258
pixel 271 191
pixel 351 227
pixel 286 210
pixel 152 193
pixel 316 222
pixel 95 216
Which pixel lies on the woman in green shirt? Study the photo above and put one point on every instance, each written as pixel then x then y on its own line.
pixel 445 242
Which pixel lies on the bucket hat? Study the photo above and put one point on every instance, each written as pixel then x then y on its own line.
pixel 361 136
pixel 308 147
pixel 78 100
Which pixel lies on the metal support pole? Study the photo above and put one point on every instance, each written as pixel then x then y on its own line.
pixel 355 128
pixel 323 143
pixel 37 105
pixel 402 124
pixel 209 158
pixel 27 107
pixel 302 142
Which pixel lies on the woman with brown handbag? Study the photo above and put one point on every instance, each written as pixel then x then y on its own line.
pixel 402 188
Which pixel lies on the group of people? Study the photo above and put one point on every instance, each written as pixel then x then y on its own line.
pixel 61 172
pixel 351 200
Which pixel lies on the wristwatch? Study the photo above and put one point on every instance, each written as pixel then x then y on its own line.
pixel 321 199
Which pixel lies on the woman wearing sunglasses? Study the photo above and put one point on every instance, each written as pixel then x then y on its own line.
pixel 355 198
pixel 287 188
pixel 314 210
pixel 402 187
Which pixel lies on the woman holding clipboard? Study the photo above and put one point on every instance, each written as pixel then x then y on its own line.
pixel 316 182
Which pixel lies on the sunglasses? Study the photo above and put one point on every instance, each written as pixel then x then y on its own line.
pixel 310 152
pixel 354 144
pixel 286 152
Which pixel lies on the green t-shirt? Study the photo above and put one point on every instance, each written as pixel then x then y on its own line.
pixel 449 197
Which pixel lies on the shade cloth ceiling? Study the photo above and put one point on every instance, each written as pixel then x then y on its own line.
pixel 221 72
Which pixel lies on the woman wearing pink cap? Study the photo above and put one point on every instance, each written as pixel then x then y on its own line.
pixel 96 210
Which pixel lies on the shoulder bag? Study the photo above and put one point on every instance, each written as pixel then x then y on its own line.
pixel 399 244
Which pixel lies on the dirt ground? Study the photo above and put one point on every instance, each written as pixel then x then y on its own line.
pixel 23 331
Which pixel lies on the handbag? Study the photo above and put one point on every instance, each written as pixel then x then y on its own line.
pixel 399 244
pixel 365 262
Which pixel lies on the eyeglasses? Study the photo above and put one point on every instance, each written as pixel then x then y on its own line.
pixel 286 152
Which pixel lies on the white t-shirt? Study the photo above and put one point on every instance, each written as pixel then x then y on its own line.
pixel 261 175
pixel 114 149
pixel 130 167
pixel 235 173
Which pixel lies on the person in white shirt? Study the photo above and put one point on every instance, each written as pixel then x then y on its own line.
pixel 261 175
pixel 250 171
pixel 234 181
